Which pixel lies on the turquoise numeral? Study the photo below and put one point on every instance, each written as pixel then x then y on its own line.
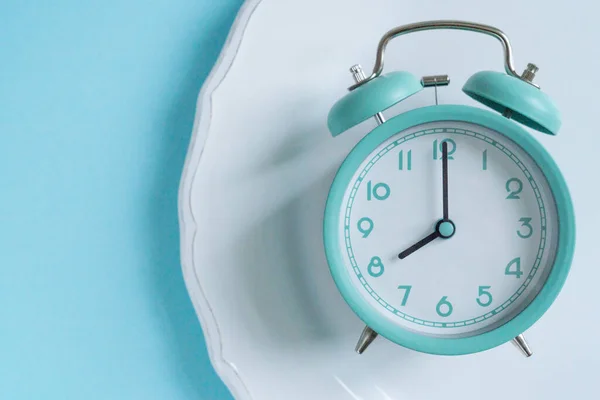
pixel 517 187
pixel 485 160
pixel 483 291
pixel 408 160
pixel 448 307
pixel 375 267
pixel 406 293
pixel 437 149
pixel 517 270
pixel 526 222
pixel 366 231
pixel 380 191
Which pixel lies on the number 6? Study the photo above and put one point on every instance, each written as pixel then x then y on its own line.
pixel 442 302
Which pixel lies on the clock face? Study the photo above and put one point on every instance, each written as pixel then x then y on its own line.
pixel 483 264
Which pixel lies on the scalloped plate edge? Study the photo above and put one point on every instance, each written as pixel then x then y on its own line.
pixel 187 224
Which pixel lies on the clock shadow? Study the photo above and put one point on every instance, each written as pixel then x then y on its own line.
pixel 291 303
pixel 296 303
pixel 292 294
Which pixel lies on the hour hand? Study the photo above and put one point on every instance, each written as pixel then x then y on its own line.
pixel 444 229
pixel 419 244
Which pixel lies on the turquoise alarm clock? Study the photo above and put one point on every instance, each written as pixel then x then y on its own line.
pixel 449 229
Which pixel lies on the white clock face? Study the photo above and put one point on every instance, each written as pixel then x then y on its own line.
pixel 502 228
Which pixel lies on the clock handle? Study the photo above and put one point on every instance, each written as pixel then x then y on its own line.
pixel 443 24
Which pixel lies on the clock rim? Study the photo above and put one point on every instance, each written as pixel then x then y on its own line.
pixel 512 328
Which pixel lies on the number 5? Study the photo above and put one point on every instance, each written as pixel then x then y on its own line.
pixel 483 291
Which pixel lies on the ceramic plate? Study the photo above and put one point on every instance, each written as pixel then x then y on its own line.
pixel 257 176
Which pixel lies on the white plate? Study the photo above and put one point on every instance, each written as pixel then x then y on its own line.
pixel 259 167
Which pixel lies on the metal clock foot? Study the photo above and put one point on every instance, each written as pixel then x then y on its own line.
pixel 366 338
pixel 521 343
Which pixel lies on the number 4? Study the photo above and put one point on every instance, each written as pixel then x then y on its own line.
pixel 517 270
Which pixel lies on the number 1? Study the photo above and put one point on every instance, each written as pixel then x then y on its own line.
pixel 485 160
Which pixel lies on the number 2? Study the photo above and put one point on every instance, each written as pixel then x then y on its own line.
pixel 517 186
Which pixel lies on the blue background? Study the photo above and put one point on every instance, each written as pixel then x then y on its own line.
pixel 97 100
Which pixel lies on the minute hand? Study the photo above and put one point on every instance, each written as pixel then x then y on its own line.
pixel 445 178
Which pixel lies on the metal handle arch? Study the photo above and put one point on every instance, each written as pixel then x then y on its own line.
pixel 441 24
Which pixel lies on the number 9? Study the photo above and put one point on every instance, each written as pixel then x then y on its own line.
pixel 365 226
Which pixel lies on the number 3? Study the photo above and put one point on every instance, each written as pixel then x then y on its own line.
pixel 526 222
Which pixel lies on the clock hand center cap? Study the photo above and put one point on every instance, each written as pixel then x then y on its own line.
pixel 445 228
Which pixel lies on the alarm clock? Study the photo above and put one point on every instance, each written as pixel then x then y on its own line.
pixel 448 229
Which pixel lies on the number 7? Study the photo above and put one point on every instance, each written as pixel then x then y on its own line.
pixel 406 293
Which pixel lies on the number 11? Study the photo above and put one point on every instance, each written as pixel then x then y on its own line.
pixel 408 160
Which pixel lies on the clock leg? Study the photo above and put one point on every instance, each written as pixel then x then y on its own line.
pixel 521 343
pixel 366 338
